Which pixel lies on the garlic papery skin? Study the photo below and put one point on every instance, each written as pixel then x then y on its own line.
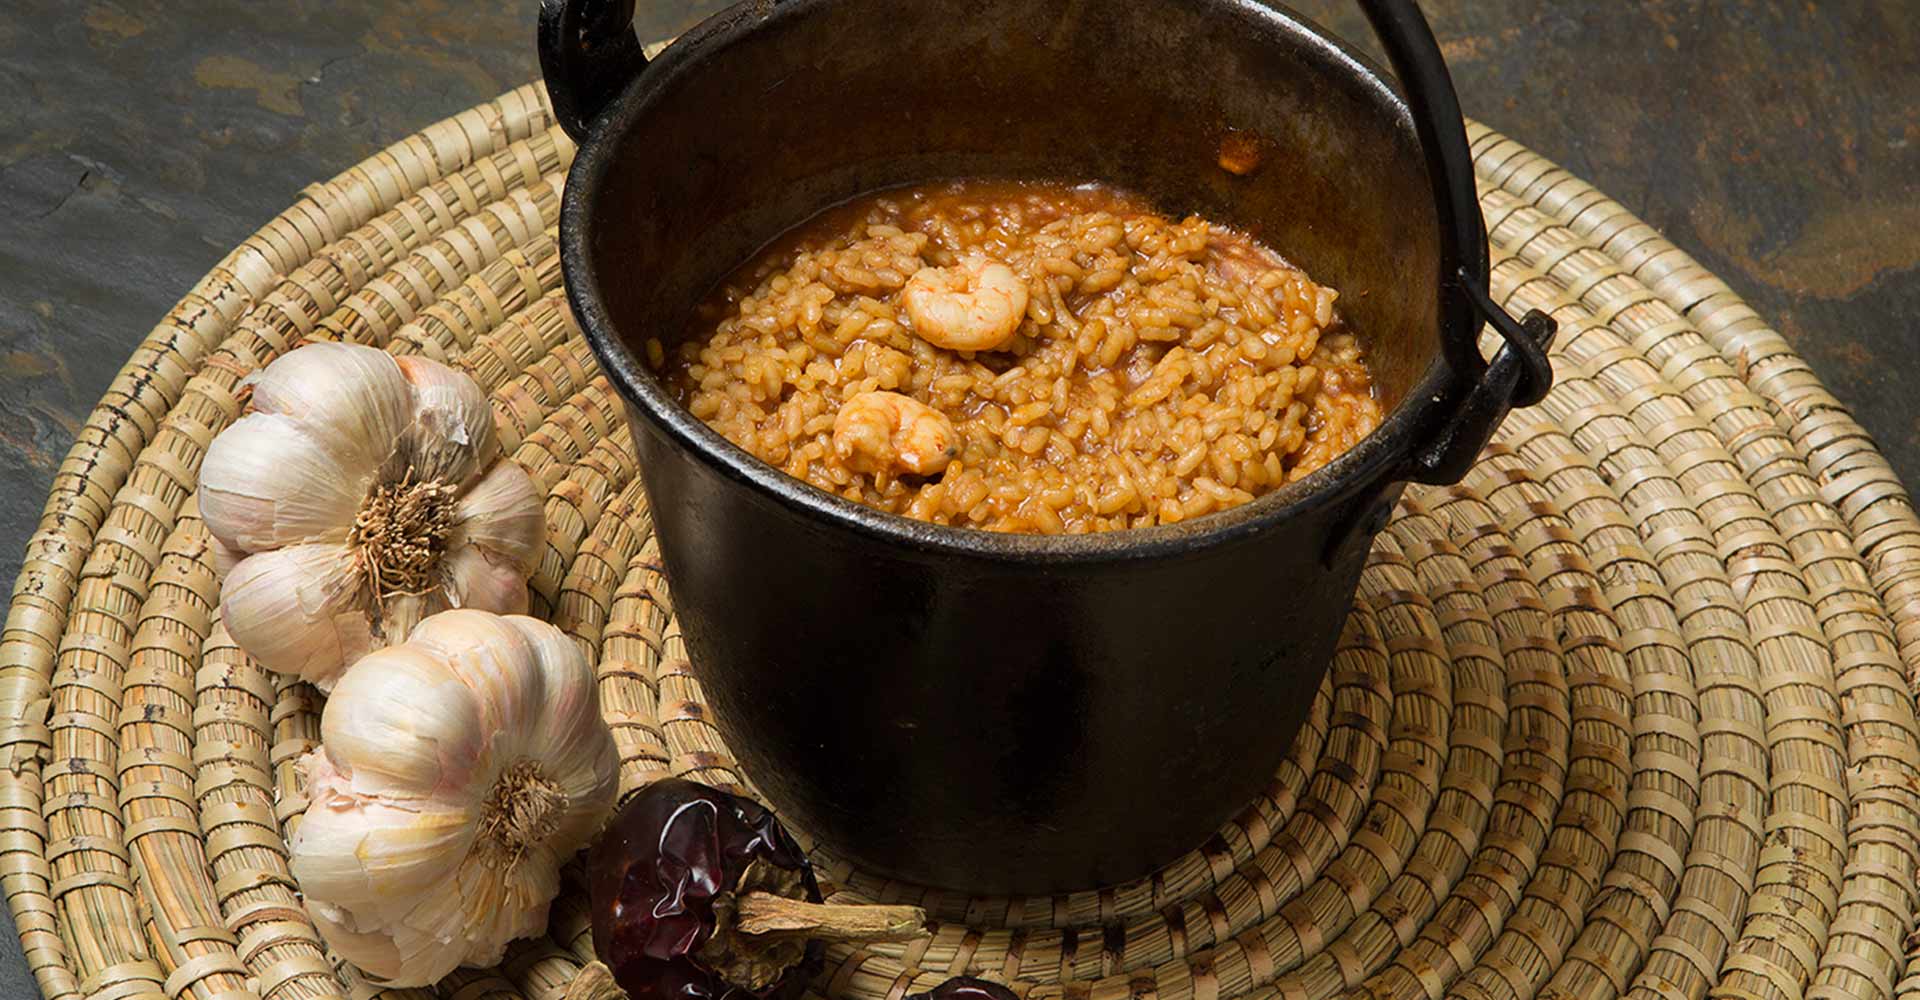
pixel 456 772
pixel 360 494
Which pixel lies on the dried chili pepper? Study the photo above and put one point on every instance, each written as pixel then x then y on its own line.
pixel 698 894
pixel 966 988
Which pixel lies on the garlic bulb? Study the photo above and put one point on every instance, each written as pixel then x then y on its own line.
pixel 456 772
pixel 362 493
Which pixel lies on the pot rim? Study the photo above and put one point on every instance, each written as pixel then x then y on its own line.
pixel 1375 461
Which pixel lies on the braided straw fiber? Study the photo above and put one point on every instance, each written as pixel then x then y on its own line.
pixel 1626 713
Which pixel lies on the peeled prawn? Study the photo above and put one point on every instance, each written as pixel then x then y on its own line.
pixel 975 305
pixel 887 432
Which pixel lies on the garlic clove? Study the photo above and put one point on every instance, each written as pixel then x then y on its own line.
pixel 507 903
pixel 297 610
pixel 584 762
pixel 504 512
pixel 438 929
pixel 266 483
pixel 361 851
pixel 350 397
pixel 371 952
pixel 224 557
pixel 476 580
pixel 374 873
pixel 409 726
pixel 450 435
pixel 488 655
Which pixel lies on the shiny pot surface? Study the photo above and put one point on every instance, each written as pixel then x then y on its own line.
pixel 1000 713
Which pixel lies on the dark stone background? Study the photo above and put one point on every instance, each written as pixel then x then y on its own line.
pixel 1779 142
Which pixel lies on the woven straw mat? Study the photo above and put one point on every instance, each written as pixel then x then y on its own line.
pixel 1626 713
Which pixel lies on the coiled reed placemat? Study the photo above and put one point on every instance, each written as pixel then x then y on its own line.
pixel 1626 713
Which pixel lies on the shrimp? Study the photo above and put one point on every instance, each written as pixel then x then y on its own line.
pixel 975 305
pixel 887 432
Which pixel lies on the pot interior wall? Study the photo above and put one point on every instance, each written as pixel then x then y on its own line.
pixel 830 99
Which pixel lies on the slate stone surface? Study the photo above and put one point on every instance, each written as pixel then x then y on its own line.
pixel 1777 141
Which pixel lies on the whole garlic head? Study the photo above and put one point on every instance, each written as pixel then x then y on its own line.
pixel 362 493
pixel 457 771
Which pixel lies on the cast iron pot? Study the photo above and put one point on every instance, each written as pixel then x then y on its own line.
pixel 1005 713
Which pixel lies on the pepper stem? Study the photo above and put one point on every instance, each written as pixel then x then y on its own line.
pixel 595 982
pixel 765 914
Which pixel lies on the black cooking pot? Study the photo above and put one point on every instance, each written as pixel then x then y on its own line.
pixel 1013 713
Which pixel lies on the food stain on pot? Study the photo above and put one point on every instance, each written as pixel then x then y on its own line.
pixel 1241 152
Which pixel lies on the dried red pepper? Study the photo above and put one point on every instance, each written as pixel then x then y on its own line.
pixel 698 894
pixel 966 988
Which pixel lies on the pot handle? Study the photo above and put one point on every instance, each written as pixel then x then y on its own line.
pixel 588 54
pixel 1519 374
